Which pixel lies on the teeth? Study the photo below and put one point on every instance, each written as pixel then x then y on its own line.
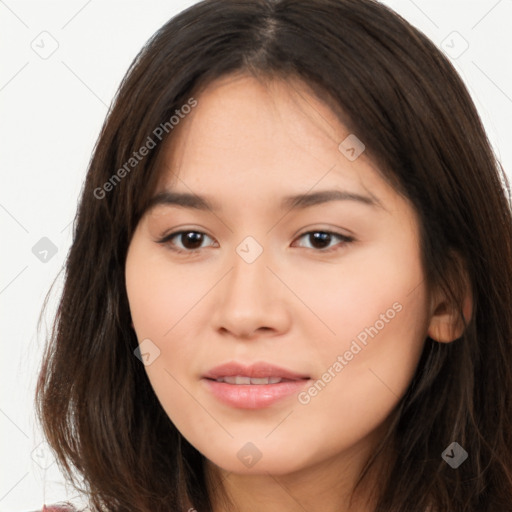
pixel 264 380
pixel 239 379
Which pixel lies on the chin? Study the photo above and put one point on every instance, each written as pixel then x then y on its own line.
pixel 249 460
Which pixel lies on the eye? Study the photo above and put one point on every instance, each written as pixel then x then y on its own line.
pixel 190 241
pixel 321 240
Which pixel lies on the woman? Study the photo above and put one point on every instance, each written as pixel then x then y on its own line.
pixel 291 276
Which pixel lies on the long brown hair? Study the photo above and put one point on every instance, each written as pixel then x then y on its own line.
pixel 395 89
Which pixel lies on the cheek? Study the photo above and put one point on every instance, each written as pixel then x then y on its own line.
pixel 161 301
pixel 166 302
pixel 375 292
pixel 363 372
pixel 160 293
pixel 379 315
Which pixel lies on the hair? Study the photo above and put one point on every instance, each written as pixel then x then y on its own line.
pixel 392 87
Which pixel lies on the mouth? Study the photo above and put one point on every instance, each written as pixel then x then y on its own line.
pixel 253 387
pixel 242 379
pixel 256 373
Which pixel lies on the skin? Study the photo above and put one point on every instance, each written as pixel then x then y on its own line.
pixel 295 306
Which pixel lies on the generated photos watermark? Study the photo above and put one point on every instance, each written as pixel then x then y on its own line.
pixel 357 345
pixel 137 156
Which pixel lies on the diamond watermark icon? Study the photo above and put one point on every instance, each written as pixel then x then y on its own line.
pixel 249 249
pixel 147 352
pixel 454 45
pixel 454 455
pixel 44 250
pixel 351 147
pixel 249 454
pixel 42 455
pixel 45 45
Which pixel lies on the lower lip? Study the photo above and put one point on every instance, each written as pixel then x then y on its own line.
pixel 253 396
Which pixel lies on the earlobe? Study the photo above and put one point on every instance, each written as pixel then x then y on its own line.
pixel 448 321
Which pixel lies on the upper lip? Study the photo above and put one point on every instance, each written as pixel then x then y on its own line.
pixel 256 370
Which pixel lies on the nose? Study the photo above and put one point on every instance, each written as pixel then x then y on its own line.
pixel 251 301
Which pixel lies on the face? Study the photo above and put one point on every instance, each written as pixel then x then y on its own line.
pixel 278 333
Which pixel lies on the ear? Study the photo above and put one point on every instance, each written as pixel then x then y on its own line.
pixel 447 314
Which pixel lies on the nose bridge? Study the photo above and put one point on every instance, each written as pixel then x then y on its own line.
pixel 249 277
pixel 250 297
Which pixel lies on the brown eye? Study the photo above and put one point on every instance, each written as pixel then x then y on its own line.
pixel 191 239
pixel 322 240
pixel 185 241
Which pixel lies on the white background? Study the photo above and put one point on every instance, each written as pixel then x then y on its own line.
pixel 52 110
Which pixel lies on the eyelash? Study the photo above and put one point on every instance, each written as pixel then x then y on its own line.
pixel 167 238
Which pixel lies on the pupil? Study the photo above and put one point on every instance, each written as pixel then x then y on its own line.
pixel 322 238
pixel 192 240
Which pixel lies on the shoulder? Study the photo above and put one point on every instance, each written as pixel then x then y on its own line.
pixel 57 508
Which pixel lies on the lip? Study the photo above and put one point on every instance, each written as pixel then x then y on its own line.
pixel 256 370
pixel 253 396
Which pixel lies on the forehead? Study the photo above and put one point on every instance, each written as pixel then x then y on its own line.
pixel 246 137
pixel 240 113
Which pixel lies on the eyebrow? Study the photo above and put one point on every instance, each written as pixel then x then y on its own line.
pixel 294 202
